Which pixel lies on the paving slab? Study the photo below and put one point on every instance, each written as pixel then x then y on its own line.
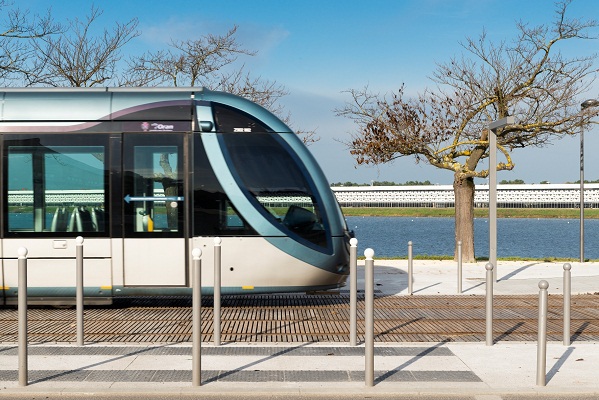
pixel 422 367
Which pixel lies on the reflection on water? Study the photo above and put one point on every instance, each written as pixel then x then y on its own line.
pixel 516 237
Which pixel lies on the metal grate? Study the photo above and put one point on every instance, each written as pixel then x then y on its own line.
pixel 308 318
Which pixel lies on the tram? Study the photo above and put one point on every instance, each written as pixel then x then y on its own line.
pixel 145 175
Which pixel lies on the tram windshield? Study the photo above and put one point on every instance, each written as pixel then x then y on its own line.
pixel 278 182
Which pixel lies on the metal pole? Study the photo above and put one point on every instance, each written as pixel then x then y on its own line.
pixel 196 318
pixel 493 126
pixel 542 339
pixel 369 317
pixel 22 315
pixel 353 291
pixel 567 302
pixel 79 279
pixel 410 269
pixel 459 267
pixel 584 105
pixel 493 201
pixel 581 194
pixel 489 305
pixel 217 287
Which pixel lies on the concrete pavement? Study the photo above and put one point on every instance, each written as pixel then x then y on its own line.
pixel 440 277
pixel 460 368
pixel 472 369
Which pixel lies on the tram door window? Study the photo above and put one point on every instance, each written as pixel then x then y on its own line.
pixel 55 188
pixel 156 187
pixel 154 209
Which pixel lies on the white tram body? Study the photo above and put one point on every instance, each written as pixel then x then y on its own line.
pixel 145 176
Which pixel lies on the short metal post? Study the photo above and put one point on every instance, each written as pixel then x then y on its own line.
pixel 217 287
pixel 542 339
pixel 410 268
pixel 79 279
pixel 459 267
pixel 353 291
pixel 22 315
pixel 489 305
pixel 567 302
pixel 196 318
pixel 369 317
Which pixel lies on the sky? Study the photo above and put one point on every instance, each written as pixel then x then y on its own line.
pixel 319 49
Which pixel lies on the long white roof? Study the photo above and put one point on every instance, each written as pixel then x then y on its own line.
pixel 537 186
pixel 525 193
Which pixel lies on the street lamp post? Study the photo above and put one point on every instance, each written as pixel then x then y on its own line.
pixel 493 126
pixel 585 104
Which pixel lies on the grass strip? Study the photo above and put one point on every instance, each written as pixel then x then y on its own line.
pixel 572 213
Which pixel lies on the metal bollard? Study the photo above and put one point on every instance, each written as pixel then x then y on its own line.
pixel 567 302
pixel 22 315
pixel 79 280
pixel 459 267
pixel 369 318
pixel 410 268
pixel 353 291
pixel 196 318
pixel 217 287
pixel 542 339
pixel 489 305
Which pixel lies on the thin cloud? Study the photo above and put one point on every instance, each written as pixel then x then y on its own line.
pixel 254 37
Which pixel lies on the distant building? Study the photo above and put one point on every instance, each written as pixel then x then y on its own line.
pixel 439 196
pixel 508 196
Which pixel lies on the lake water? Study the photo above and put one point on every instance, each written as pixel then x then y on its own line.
pixel 516 237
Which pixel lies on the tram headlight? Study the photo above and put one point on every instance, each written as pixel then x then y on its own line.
pixel 342 268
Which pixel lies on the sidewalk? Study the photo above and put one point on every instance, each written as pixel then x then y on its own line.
pixel 434 277
pixel 333 368
pixel 418 368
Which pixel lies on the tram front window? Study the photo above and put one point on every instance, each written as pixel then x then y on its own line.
pixel 272 175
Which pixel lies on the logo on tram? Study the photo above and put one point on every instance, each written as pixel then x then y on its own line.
pixel 156 127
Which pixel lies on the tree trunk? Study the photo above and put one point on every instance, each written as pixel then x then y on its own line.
pixel 171 189
pixel 463 189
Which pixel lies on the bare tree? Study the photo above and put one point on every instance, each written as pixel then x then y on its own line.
pixel 79 59
pixel 17 29
pixel 192 62
pixel 207 62
pixel 447 126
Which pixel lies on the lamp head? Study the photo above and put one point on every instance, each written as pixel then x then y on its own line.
pixel 589 103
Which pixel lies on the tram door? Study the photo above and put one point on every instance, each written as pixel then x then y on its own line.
pixel 154 244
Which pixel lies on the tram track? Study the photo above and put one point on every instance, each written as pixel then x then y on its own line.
pixel 309 318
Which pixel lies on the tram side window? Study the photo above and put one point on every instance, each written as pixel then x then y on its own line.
pixel 54 189
pixel 213 213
